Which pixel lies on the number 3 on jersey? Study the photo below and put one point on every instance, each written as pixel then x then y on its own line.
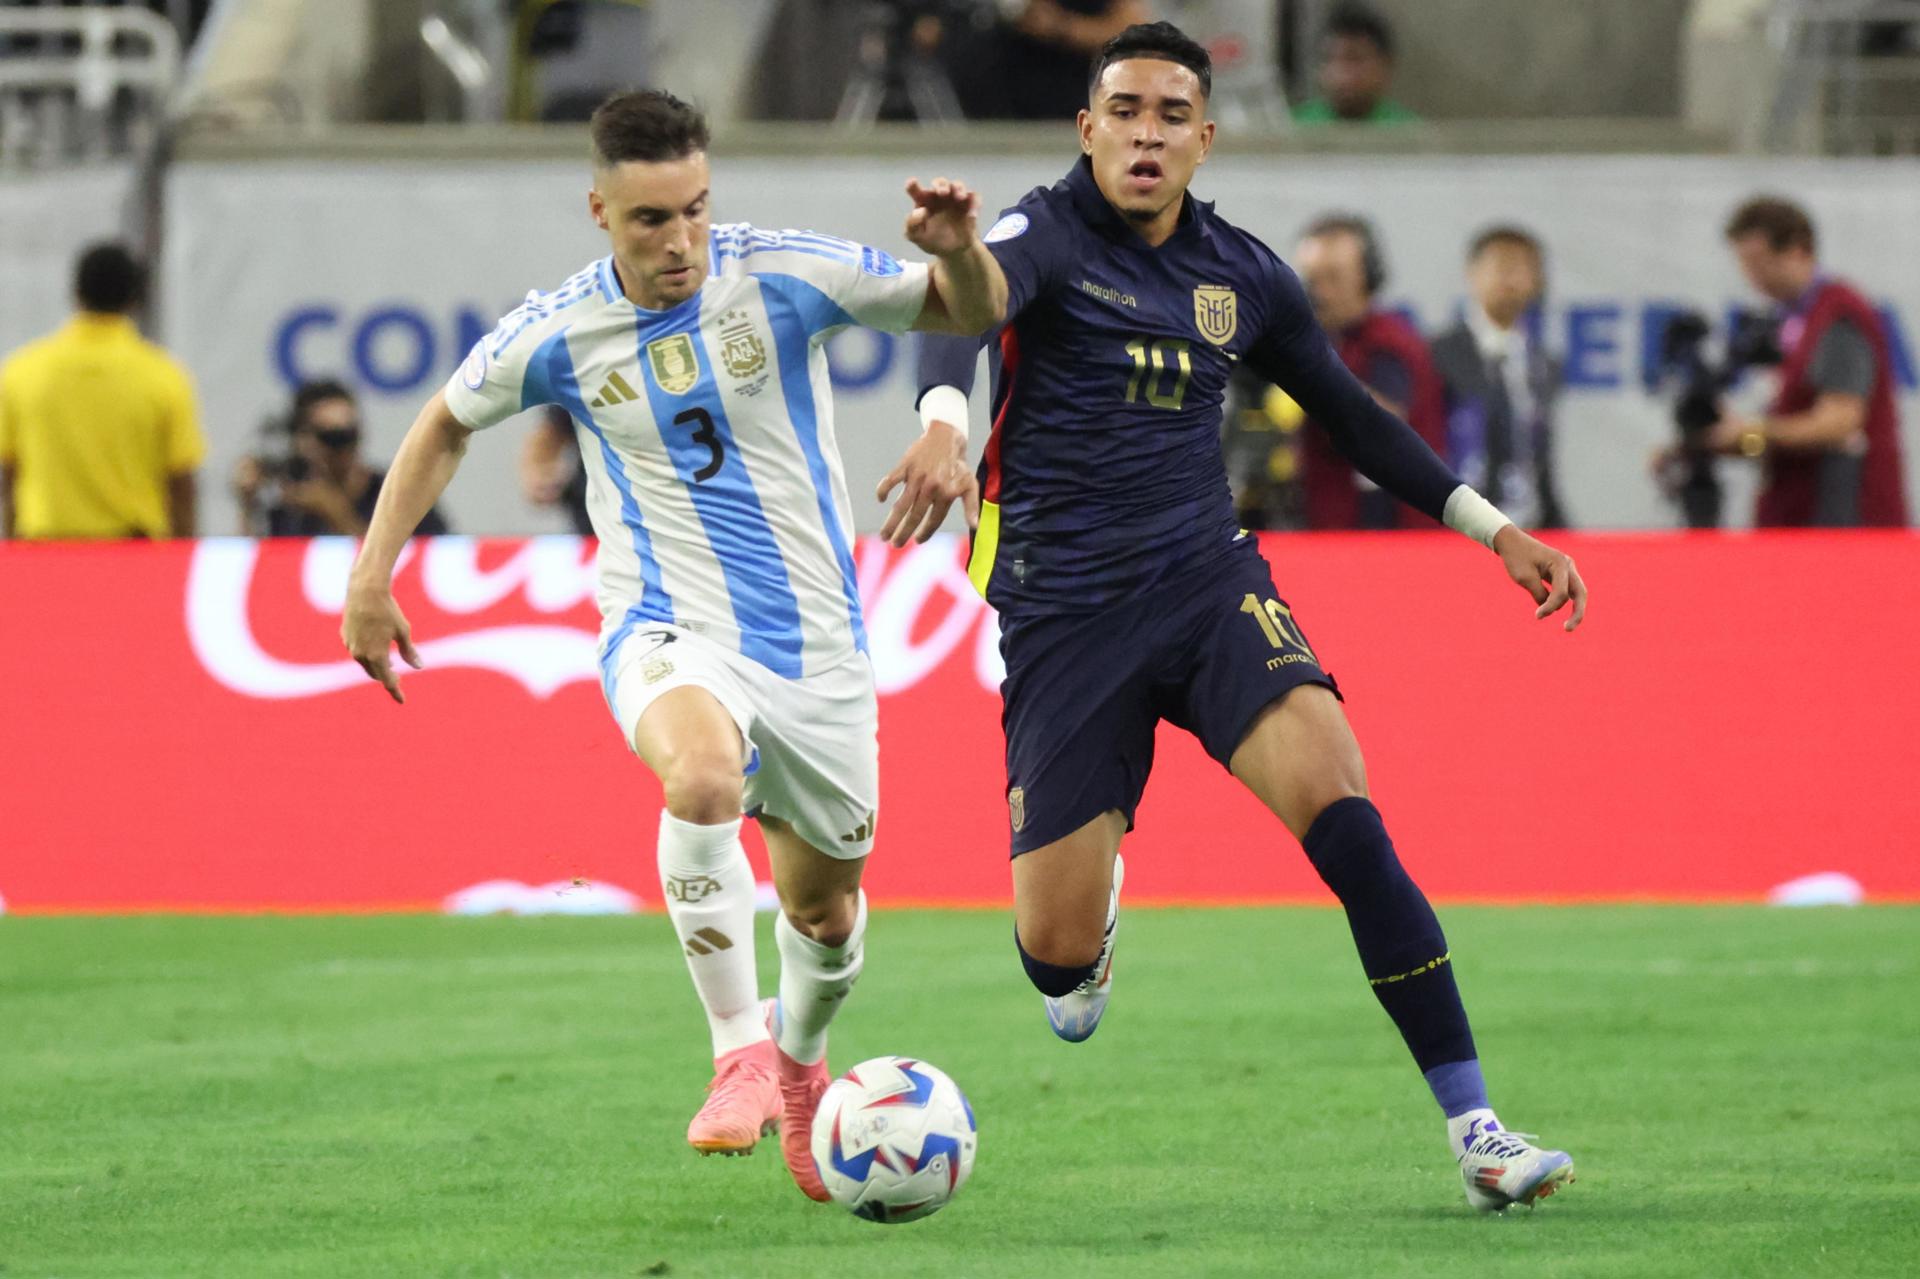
pixel 705 433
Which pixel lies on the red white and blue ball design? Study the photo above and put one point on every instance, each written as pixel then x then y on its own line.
pixel 893 1139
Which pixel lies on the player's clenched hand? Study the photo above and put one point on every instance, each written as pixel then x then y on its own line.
pixel 931 476
pixel 1544 573
pixel 372 625
pixel 945 216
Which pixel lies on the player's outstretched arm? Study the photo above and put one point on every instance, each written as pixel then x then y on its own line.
pixel 1295 353
pixel 373 624
pixel 966 291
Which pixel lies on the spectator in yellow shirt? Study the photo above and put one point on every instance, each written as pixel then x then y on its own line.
pixel 98 433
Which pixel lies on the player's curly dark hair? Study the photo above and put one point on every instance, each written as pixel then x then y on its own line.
pixel 649 125
pixel 1160 40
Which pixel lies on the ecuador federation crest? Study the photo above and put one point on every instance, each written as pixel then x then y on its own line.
pixel 675 367
pixel 1216 312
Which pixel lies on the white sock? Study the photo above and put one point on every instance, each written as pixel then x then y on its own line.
pixel 1469 1123
pixel 709 889
pixel 814 979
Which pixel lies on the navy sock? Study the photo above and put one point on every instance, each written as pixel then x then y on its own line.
pixel 1053 979
pixel 1401 946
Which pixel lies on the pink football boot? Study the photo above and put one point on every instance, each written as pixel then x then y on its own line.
pixel 743 1102
pixel 800 1090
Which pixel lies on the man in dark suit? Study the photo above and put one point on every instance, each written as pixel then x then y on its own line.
pixel 1501 383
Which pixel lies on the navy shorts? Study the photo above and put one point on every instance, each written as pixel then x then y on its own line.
pixel 1084 694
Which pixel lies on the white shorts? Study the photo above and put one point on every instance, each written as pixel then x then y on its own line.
pixel 812 744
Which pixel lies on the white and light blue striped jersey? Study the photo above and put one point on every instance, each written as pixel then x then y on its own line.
pixel 706 430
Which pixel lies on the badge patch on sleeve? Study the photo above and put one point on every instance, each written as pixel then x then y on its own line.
pixel 474 371
pixel 1006 228
pixel 879 262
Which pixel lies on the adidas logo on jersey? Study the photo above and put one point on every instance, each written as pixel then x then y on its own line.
pixel 860 833
pixel 616 391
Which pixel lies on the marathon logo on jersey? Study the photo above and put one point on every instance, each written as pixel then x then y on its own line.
pixel 1017 808
pixel 1216 312
pixel 879 262
pixel 675 366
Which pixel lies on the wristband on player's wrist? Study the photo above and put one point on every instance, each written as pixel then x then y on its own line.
pixel 1469 513
pixel 944 404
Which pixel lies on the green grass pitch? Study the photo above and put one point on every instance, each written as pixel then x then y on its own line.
pixel 410 1097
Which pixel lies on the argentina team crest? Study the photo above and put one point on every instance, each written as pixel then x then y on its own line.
pixel 1216 312
pixel 741 350
pixel 675 367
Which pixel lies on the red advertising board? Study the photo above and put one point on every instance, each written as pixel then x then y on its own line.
pixel 180 730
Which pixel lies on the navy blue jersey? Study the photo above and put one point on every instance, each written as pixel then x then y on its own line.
pixel 1103 474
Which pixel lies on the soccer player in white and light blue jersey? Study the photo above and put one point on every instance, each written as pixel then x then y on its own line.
pixel 732 651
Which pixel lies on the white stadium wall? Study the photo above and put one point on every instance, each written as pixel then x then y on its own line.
pixel 46 220
pixel 385 271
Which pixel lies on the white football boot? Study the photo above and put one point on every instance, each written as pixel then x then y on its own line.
pixel 1502 1168
pixel 1076 1015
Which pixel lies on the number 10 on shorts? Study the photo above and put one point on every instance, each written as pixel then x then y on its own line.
pixel 1277 624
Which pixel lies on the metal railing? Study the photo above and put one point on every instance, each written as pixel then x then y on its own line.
pixel 81 84
pixel 1850 77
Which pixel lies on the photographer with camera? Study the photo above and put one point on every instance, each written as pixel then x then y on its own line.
pixel 1830 440
pixel 319 484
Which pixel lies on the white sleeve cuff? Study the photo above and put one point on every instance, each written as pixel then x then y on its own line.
pixel 1467 512
pixel 944 404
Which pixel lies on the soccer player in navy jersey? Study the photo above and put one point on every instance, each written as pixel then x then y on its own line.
pixel 1128 593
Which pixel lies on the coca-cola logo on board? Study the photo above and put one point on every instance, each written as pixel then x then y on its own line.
pixel 518 609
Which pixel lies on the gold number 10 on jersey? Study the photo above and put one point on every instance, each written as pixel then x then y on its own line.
pixel 1164 352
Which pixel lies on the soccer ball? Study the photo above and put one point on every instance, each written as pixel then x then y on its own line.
pixel 893 1139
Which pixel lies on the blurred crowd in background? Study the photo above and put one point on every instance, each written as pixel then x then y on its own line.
pixel 99 436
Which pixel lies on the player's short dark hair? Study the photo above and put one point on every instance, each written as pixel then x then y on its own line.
pixel 315 391
pixel 1784 223
pixel 1161 40
pixel 1507 233
pixel 649 125
pixel 1360 22
pixel 109 279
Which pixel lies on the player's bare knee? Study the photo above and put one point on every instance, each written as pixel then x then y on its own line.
pixel 828 920
pixel 1300 757
pixel 1064 943
pixel 703 789
pixel 1317 797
